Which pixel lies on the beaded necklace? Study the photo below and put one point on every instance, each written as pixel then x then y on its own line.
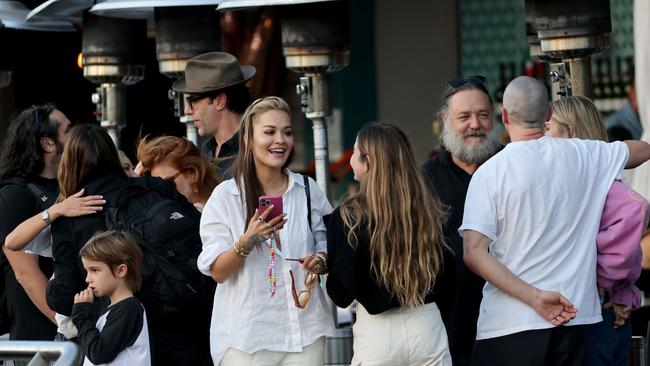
pixel 272 278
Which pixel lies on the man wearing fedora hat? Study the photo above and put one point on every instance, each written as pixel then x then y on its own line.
pixel 216 97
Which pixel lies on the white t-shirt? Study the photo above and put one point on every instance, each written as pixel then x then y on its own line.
pixel 123 328
pixel 244 316
pixel 540 203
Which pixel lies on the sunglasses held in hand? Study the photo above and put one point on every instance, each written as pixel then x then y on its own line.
pixel 301 299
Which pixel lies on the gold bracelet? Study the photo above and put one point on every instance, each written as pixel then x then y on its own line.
pixel 241 252
pixel 322 257
pixel 323 261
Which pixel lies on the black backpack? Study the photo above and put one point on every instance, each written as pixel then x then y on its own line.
pixel 45 199
pixel 168 234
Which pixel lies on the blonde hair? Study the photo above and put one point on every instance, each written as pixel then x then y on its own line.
pixel 579 114
pixel 244 166
pixel 396 210
pixel 185 156
pixel 114 248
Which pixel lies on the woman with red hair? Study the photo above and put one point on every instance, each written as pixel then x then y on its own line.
pixel 180 162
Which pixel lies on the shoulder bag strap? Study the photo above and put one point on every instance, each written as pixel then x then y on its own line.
pixel 308 194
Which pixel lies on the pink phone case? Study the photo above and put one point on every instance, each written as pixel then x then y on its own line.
pixel 266 201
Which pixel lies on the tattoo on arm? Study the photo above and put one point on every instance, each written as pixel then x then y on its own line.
pixel 254 241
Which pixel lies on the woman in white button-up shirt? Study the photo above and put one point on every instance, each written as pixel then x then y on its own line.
pixel 255 318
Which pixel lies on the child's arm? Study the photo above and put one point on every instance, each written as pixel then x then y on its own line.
pixel 123 325
pixel 75 205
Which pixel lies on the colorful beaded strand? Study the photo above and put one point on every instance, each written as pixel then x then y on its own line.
pixel 272 278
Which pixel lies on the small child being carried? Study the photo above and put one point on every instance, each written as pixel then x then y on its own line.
pixel 120 335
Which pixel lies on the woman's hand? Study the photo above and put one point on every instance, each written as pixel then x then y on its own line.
pixel 84 296
pixel 77 205
pixel 315 262
pixel 259 230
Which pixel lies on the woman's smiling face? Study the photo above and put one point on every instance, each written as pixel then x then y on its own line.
pixel 272 139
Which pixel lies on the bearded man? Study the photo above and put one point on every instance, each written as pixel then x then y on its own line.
pixel 467 113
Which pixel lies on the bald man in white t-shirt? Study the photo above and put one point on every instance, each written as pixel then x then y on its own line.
pixel 538 215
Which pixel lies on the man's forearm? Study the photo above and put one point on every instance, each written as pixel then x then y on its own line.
pixel 639 153
pixel 552 306
pixel 35 286
pixel 29 276
pixel 493 271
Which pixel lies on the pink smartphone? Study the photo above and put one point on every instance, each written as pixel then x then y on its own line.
pixel 266 201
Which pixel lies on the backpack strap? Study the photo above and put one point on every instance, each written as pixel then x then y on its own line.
pixel 44 198
pixel 308 194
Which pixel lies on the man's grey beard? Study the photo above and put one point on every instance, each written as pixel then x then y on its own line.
pixel 475 153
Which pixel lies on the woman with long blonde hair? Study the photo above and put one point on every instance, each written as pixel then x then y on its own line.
pixel 622 225
pixel 385 248
pixel 268 307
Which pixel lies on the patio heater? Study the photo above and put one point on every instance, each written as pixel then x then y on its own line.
pixel 573 30
pixel 113 57
pixel 557 73
pixel 315 43
pixel 184 29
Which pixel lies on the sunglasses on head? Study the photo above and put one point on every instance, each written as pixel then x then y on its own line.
pixel 300 299
pixel 37 123
pixel 474 79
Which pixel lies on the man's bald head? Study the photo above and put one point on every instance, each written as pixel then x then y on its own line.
pixel 526 102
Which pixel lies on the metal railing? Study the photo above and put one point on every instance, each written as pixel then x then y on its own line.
pixel 40 353
pixel 637 354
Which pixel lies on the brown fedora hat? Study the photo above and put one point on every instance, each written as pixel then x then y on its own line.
pixel 212 71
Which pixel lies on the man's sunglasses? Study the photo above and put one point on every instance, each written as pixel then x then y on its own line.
pixel 191 99
pixel 301 299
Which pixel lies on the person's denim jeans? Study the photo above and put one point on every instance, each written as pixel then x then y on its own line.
pixel 606 345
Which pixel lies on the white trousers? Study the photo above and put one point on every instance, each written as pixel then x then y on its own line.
pixel 312 355
pixel 398 337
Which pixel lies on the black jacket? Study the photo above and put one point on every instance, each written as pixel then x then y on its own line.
pixel 176 338
pixel 69 234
